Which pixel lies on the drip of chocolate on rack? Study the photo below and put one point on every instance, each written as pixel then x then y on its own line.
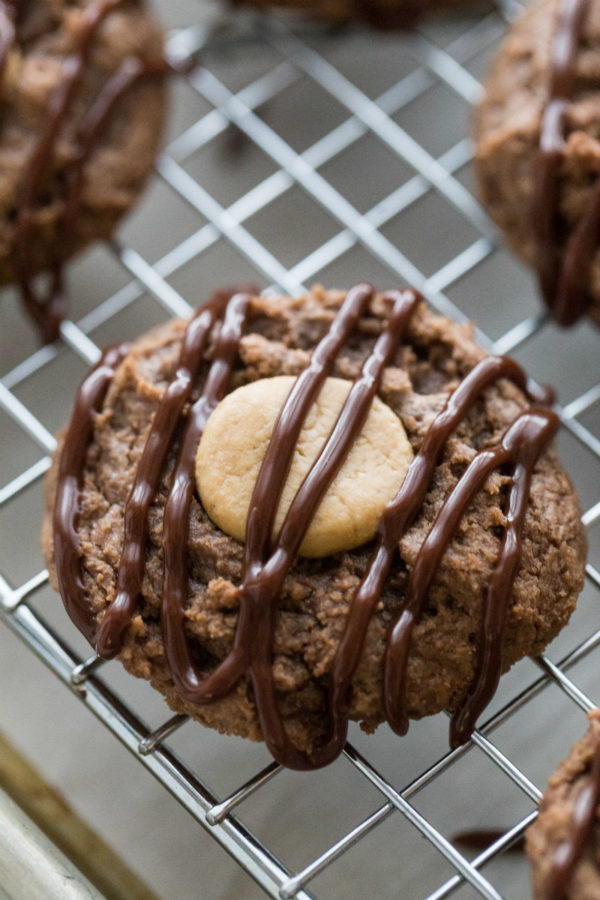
pixel 568 852
pixel 381 15
pixel 385 15
pixel 482 838
pixel 47 306
pixel 266 564
pixel 563 272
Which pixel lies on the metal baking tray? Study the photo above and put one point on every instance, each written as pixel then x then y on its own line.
pixel 296 154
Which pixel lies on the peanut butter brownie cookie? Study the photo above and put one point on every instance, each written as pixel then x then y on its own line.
pixel 80 120
pixel 378 13
pixel 563 844
pixel 538 150
pixel 287 513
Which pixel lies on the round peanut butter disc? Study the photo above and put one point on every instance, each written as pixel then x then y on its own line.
pixel 235 441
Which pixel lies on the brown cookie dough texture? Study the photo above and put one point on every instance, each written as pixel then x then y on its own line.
pixel 554 823
pixel 507 132
pixel 379 13
pixel 279 337
pixel 236 439
pixel 47 33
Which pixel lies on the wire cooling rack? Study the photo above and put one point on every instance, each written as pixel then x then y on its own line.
pixel 333 156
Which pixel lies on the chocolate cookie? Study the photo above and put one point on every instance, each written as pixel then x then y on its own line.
pixel 80 120
pixel 538 150
pixel 563 844
pixel 474 559
pixel 378 13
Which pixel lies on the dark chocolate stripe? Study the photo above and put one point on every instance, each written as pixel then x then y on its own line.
pixel 278 457
pixel 46 315
pixel 568 852
pixel 59 106
pixel 47 310
pixel 397 519
pixel 573 296
pixel 166 420
pixel 264 503
pixel 67 546
pixel 176 516
pixel 563 274
pixel 521 445
pixel 52 305
pixel 131 71
pixel 262 585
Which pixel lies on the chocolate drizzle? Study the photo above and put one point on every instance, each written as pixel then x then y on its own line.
pixel 569 851
pixel 67 546
pixel 268 561
pixel 521 446
pixel 563 272
pixel 47 307
pixel 175 527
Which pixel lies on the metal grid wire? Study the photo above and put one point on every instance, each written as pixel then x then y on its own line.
pixel 300 54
